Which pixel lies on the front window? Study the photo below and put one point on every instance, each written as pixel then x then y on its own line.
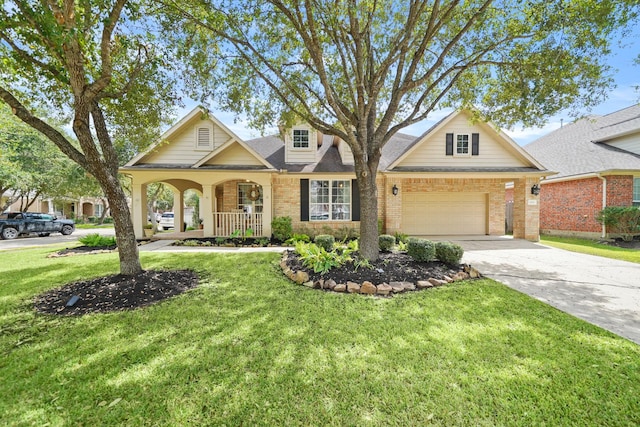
pixel 462 144
pixel 250 198
pixel 636 191
pixel 330 200
pixel 300 138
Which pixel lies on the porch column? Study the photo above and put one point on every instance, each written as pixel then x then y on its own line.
pixel 206 209
pixel 139 208
pixel 526 210
pixel 178 210
pixel 267 209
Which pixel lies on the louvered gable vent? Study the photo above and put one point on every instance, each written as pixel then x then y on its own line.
pixel 203 138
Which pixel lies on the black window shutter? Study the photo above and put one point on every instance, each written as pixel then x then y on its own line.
pixel 475 144
pixel 355 200
pixel 449 144
pixel 304 200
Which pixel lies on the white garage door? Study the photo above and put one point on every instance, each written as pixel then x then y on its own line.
pixel 444 213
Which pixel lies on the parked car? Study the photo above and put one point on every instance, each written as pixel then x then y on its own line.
pixel 14 224
pixel 166 221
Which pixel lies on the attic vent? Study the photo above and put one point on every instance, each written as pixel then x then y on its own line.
pixel 203 138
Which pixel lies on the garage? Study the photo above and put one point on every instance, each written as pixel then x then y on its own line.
pixel 444 213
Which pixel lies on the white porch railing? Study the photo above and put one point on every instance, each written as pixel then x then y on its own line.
pixel 227 223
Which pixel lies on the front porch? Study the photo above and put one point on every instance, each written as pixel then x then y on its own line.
pixel 229 205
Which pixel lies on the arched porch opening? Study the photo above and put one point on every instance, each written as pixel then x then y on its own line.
pixel 230 203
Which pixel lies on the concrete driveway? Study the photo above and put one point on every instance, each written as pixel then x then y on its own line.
pixel 601 291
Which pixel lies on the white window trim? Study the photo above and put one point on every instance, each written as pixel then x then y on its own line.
pixel 256 205
pixel 455 145
pixel 635 202
pixel 309 147
pixel 331 181
pixel 209 146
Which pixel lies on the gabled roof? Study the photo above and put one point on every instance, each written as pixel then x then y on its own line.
pixel 579 148
pixel 501 136
pixel 197 111
pixel 271 148
pixel 226 146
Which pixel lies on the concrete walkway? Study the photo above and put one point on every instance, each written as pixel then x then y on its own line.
pixel 602 291
pixel 165 246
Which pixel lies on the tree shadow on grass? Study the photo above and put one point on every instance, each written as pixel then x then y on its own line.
pixel 249 347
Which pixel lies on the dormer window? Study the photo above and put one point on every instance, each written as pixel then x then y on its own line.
pixel 204 140
pixel 300 138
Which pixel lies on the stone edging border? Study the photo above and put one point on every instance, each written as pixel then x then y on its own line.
pixel 367 288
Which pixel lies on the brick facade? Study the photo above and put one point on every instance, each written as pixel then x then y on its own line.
pixel 571 207
pixel 493 187
pixel 286 201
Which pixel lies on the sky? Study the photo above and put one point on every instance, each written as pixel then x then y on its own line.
pixel 625 94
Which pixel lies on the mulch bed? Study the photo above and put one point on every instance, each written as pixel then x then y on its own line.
pixel 633 244
pixel 116 292
pixel 390 267
pixel 83 250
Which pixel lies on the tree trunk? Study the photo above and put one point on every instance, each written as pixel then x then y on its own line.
pixel 126 238
pixel 366 176
pixel 105 208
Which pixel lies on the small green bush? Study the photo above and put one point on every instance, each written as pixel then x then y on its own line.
pixel 386 242
pixel 325 241
pixel 298 238
pixel 95 240
pixel 303 229
pixel 281 228
pixel 421 250
pixel 320 260
pixel 401 237
pixel 624 220
pixel 449 253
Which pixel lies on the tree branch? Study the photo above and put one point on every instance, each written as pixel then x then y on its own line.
pixel 50 132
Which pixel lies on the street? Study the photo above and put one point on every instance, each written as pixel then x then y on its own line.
pixel 54 238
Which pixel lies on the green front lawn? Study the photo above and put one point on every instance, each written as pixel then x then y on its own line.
pixel 591 247
pixel 249 348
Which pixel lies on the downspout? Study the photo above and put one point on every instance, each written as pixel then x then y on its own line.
pixel 604 202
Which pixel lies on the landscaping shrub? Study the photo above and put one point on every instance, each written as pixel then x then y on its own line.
pixel 401 237
pixel 421 250
pixel 281 228
pixel 325 241
pixel 449 253
pixel 386 242
pixel 624 220
pixel 298 238
pixel 303 229
pixel 95 240
pixel 318 259
pixel 345 233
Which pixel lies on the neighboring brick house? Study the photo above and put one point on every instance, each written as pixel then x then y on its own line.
pixel 598 163
pixel 449 181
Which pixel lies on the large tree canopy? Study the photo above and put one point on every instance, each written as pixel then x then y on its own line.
pixel 30 166
pixel 94 63
pixel 363 70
